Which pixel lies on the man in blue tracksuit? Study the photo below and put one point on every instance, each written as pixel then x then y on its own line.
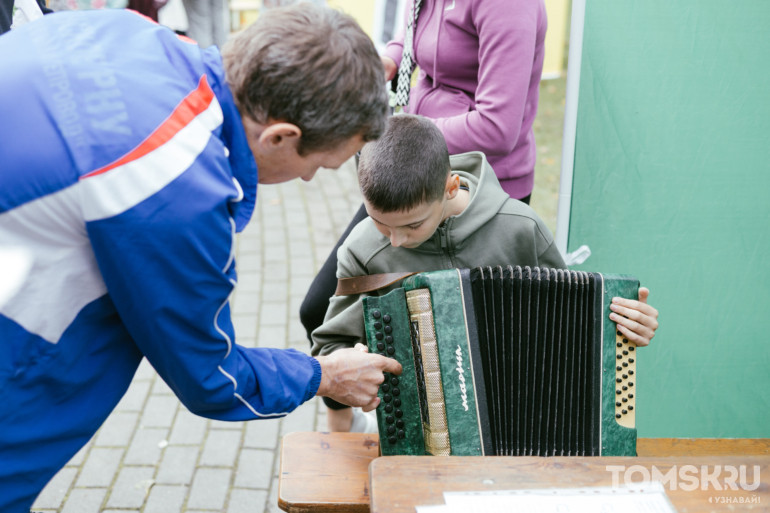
pixel 129 158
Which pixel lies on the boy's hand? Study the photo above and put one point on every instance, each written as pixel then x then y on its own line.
pixel 353 376
pixel 636 320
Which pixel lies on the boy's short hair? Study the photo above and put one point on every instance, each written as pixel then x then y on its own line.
pixel 310 66
pixel 406 167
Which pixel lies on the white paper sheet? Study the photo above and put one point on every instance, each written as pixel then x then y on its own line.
pixel 641 498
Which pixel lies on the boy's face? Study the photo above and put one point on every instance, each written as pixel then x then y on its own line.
pixel 412 227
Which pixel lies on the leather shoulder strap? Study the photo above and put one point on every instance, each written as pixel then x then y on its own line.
pixel 368 283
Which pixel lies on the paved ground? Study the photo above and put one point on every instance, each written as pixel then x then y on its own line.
pixel 152 455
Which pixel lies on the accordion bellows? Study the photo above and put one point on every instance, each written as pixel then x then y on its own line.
pixel 505 361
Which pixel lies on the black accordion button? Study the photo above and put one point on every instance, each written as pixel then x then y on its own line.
pixel 618 368
pixel 391 350
pixel 391 430
pixel 400 424
pixel 620 344
pixel 386 318
pixel 630 373
pixel 378 335
pixel 397 402
pixel 625 388
pixel 620 356
pixel 388 329
pixel 618 403
pixel 630 396
pixel 618 392
pixel 376 314
pixel 618 380
pixel 385 387
pixel 631 348
pixel 387 398
pixel 380 346
pixel 389 339
pixel 378 325
pixel 401 433
pixel 631 360
pixel 630 383
pixel 388 408
pixel 625 364
pixel 630 407
pixel 624 411
pixel 396 391
pixel 625 352
pixel 625 400
pixel 389 419
pixel 392 440
pixel 399 413
pixel 617 415
pixel 394 381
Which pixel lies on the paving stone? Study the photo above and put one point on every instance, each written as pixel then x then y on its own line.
pixel 177 465
pixel 145 448
pixel 100 466
pixel 254 468
pixel 188 428
pixel 221 448
pixel 159 411
pixel 165 499
pixel 273 314
pixel 245 327
pixel 117 430
pixel 85 500
pixel 262 434
pixel 245 501
pixel 131 487
pixel 272 336
pixel 210 488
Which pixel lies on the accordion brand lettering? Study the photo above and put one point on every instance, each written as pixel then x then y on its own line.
pixel 461 374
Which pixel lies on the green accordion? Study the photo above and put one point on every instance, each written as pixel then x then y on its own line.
pixel 505 361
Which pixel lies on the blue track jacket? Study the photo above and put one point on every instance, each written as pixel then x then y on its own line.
pixel 125 173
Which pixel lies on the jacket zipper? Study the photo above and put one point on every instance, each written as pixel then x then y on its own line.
pixel 444 242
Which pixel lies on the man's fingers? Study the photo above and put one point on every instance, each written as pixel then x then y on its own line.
pixel 391 365
pixel 372 405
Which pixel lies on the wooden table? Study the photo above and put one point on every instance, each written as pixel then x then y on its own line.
pixel 399 483
pixel 329 472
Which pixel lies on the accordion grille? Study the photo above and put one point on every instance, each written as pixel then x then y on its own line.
pixel 435 426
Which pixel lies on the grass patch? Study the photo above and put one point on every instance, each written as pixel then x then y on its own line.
pixel 548 127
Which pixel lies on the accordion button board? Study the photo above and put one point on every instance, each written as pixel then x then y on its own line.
pixel 505 361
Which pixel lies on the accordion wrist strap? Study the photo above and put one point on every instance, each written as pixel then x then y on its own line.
pixel 368 283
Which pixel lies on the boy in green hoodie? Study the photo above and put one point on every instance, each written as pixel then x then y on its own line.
pixel 429 211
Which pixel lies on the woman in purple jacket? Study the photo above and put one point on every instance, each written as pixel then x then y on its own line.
pixel 479 74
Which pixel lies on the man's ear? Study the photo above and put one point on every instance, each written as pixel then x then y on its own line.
pixel 452 186
pixel 279 135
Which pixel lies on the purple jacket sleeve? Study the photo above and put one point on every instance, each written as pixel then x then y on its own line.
pixel 507 40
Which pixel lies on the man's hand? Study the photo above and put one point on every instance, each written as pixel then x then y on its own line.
pixel 636 320
pixel 353 376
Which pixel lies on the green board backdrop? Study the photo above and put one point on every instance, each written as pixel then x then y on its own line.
pixel 672 184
